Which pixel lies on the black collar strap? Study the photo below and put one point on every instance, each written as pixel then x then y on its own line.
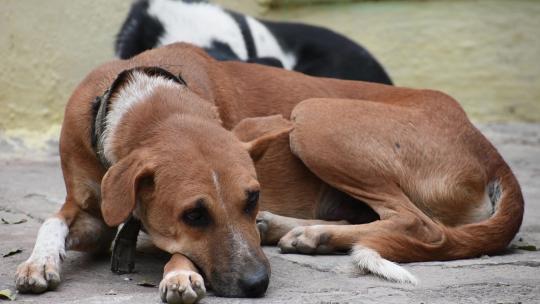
pixel 100 108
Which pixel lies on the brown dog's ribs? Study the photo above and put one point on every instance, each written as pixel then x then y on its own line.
pixel 123 253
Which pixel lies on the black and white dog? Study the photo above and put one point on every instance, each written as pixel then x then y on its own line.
pixel 227 35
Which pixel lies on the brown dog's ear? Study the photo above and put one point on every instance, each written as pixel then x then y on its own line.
pixel 120 185
pixel 257 133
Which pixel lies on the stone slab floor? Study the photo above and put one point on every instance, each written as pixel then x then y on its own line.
pixel 32 189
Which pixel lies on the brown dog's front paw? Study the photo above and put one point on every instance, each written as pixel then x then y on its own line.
pixel 182 287
pixel 272 227
pixel 307 240
pixel 37 275
pixel 264 223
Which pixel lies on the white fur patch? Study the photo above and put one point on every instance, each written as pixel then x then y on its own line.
pixel 139 87
pixel 50 242
pixel 482 212
pixel 174 273
pixel 197 23
pixel 239 242
pixel 267 45
pixel 369 260
pixel 215 179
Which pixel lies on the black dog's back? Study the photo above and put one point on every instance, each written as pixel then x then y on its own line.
pixel 322 52
pixel 317 51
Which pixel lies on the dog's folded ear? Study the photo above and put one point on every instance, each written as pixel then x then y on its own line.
pixel 258 133
pixel 120 185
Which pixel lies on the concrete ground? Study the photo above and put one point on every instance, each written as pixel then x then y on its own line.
pixel 32 188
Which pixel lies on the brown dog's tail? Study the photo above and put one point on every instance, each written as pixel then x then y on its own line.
pixel 495 233
pixel 487 237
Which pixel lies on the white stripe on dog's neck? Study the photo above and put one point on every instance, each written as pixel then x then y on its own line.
pixel 139 87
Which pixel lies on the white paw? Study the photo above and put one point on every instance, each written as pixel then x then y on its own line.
pixel 41 271
pixel 183 286
pixel 37 275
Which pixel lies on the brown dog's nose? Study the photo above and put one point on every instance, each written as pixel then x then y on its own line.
pixel 254 285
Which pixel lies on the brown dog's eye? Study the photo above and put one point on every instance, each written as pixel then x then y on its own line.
pixel 251 202
pixel 197 217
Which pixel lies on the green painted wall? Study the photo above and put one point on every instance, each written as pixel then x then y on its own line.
pixel 485 52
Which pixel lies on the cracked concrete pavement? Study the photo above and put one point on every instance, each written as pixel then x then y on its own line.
pixel 31 189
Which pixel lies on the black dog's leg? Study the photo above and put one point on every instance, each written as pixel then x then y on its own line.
pixel 123 254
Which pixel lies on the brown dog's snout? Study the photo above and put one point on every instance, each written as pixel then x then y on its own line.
pixel 247 277
pixel 254 284
pixel 250 281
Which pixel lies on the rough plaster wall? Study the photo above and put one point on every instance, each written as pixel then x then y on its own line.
pixel 484 52
pixel 46 48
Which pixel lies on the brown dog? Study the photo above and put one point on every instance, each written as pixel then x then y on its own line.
pixel 138 139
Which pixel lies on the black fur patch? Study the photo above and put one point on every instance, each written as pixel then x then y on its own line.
pixel 325 53
pixel 246 33
pixel 221 51
pixel 96 104
pixel 140 31
pixel 494 193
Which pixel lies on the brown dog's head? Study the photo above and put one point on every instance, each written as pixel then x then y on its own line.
pixel 194 187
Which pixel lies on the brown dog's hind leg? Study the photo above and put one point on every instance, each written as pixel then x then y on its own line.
pixel 400 235
pixel 89 234
pixel 348 146
pixel 273 227
pixel 181 282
